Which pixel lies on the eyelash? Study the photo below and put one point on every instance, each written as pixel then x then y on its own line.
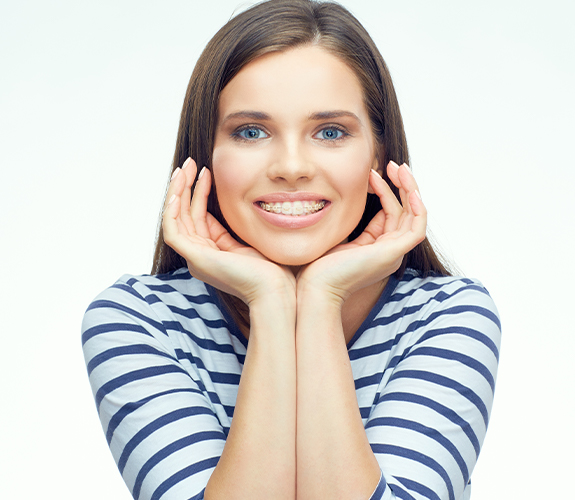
pixel 237 133
pixel 339 128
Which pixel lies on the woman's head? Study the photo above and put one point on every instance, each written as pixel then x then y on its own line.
pixel 292 154
pixel 276 26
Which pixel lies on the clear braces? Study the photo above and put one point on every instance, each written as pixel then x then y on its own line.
pixel 296 209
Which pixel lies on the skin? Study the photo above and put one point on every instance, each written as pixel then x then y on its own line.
pixel 308 290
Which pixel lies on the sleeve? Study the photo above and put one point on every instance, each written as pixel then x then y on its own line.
pixel 159 424
pixel 430 417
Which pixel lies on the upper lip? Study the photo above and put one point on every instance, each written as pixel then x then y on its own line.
pixel 287 196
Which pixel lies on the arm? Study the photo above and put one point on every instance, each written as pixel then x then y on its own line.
pixel 159 420
pixel 431 409
pixel 334 457
pixel 258 460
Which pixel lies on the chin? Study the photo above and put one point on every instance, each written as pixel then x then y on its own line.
pixel 294 258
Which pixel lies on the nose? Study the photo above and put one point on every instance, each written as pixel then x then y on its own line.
pixel 292 163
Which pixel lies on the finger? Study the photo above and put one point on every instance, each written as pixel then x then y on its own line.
pixel 175 187
pixel 170 226
pixel 189 170
pixel 199 207
pixel 218 233
pixel 414 224
pixel 391 207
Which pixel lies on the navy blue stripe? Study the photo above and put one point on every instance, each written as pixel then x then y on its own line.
pixel 131 407
pixel 126 378
pixel 192 313
pixel 192 299
pixel 183 474
pixel 426 287
pixel 443 410
pixel 216 377
pixel 365 411
pixel 207 345
pixel 399 492
pixel 124 351
pixel 455 356
pixel 128 289
pixel 112 327
pixel 199 496
pixel 153 426
pixel 181 274
pixel 232 327
pixel 374 379
pixel 430 286
pixel 435 378
pixel 461 330
pixel 387 449
pixel 373 349
pixel 450 311
pixel 380 490
pixel 108 304
pixel 418 488
pixel 168 450
pixel 426 431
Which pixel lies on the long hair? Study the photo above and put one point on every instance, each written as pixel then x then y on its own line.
pixel 275 26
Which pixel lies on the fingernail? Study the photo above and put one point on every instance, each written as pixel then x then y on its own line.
pixel 201 173
pixel 172 198
pixel 376 173
pixel 186 163
pixel 417 193
pixel 393 164
pixel 176 172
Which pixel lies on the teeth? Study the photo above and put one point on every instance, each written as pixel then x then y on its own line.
pixel 295 209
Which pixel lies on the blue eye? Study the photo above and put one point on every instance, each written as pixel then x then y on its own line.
pixel 251 133
pixel 330 134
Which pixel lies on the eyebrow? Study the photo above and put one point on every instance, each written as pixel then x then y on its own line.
pixel 252 115
pixel 317 116
pixel 327 115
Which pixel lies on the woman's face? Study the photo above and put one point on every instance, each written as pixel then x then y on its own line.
pixel 292 155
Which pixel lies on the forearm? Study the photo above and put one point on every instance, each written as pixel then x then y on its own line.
pixel 259 460
pixel 334 458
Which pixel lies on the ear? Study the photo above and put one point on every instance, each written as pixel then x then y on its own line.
pixel 379 170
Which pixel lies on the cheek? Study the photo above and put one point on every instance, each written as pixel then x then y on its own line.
pixel 349 171
pixel 227 172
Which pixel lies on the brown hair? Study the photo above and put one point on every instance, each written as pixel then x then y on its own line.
pixel 278 25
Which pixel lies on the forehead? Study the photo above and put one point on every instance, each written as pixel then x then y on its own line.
pixel 304 79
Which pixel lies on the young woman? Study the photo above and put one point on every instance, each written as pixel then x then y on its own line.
pixel 299 338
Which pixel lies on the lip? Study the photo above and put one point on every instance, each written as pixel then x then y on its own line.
pixel 290 196
pixel 291 221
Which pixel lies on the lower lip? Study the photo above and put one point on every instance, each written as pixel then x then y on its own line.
pixel 292 221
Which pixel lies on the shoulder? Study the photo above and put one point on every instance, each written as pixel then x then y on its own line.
pixel 418 308
pixel 435 306
pixel 451 294
pixel 162 307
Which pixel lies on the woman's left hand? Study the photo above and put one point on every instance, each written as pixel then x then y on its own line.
pixel 378 251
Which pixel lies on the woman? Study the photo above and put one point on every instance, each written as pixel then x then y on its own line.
pixel 293 289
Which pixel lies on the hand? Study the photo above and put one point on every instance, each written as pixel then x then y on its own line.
pixel 379 250
pixel 211 253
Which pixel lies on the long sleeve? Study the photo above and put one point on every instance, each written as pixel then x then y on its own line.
pixel 438 341
pixel 164 374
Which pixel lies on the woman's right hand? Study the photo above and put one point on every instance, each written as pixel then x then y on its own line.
pixel 211 253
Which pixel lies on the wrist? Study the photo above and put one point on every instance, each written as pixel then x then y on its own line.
pixel 310 295
pixel 275 310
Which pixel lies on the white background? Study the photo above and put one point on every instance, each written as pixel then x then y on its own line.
pixel 90 96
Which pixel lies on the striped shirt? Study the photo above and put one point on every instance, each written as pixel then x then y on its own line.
pixel 165 359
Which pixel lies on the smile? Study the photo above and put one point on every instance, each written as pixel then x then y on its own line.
pixel 295 208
